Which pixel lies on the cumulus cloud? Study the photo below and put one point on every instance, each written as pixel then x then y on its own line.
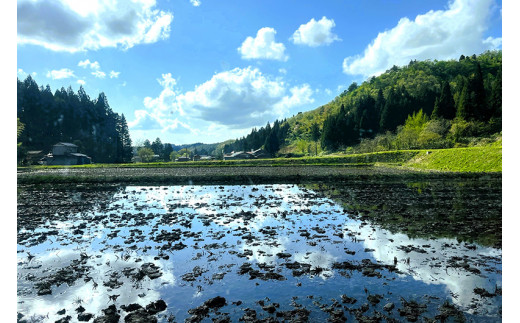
pixel 263 46
pixel 114 74
pixel 81 82
pixel 178 127
pixel 167 100
pixel 86 63
pixel 234 99
pixel 315 33
pixel 64 73
pixel 154 120
pixel 441 34
pixel 144 120
pixel 238 98
pixel 300 95
pixel 21 74
pixel 99 74
pixel 66 25
pixel 159 111
pixel 195 3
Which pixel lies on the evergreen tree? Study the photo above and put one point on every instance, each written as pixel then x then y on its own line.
pixel 166 152
pixel 70 117
pixel 389 113
pixel 368 118
pixel 463 104
pixel 444 104
pixel 271 143
pixel 157 146
pixel 495 100
pixel 478 96
pixel 126 141
pixel 315 134
pixel 328 134
pixel 380 102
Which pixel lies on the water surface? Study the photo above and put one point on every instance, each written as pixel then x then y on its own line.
pixel 272 251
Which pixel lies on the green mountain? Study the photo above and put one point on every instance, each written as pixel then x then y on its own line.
pixel 463 93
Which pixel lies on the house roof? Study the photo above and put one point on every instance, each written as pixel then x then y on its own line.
pixel 236 154
pixel 78 155
pixel 67 144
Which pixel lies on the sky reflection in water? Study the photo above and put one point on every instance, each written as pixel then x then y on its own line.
pixel 266 225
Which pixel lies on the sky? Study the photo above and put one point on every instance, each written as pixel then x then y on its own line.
pixel 206 71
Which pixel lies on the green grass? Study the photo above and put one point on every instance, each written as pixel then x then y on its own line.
pixel 353 160
pixel 473 159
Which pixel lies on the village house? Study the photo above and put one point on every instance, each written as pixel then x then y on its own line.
pixel 253 154
pixel 202 157
pixel 238 155
pixel 183 159
pixel 64 153
pixel 260 153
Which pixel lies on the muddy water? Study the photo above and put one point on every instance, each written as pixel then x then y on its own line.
pixel 253 253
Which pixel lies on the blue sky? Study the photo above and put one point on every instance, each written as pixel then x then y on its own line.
pixel 206 71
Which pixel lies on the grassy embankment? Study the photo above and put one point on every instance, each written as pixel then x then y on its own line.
pixel 473 159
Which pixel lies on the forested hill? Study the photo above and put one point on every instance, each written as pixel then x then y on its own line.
pixel 462 95
pixel 66 116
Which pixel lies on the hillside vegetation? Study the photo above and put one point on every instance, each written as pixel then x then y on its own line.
pixel 426 104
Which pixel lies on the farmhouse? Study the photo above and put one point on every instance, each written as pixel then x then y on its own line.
pixel 238 155
pixel 183 159
pixel 64 153
pixel 253 154
pixel 260 153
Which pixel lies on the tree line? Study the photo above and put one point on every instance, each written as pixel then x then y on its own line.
pixel 65 116
pixel 271 138
pixel 469 90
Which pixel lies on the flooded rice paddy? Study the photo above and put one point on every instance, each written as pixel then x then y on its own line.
pixel 367 252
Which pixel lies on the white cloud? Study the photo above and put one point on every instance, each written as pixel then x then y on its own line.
pixel 67 25
pixel 235 99
pixel 166 101
pixel 178 127
pixel 263 46
pixel 81 82
pixel 299 96
pixel 86 63
pixel 282 71
pixel 60 74
pixel 239 98
pixel 315 33
pixel 195 3
pixel 154 120
pixel 114 74
pixel 144 121
pixel 99 74
pixel 167 81
pixel 21 74
pixel 442 34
